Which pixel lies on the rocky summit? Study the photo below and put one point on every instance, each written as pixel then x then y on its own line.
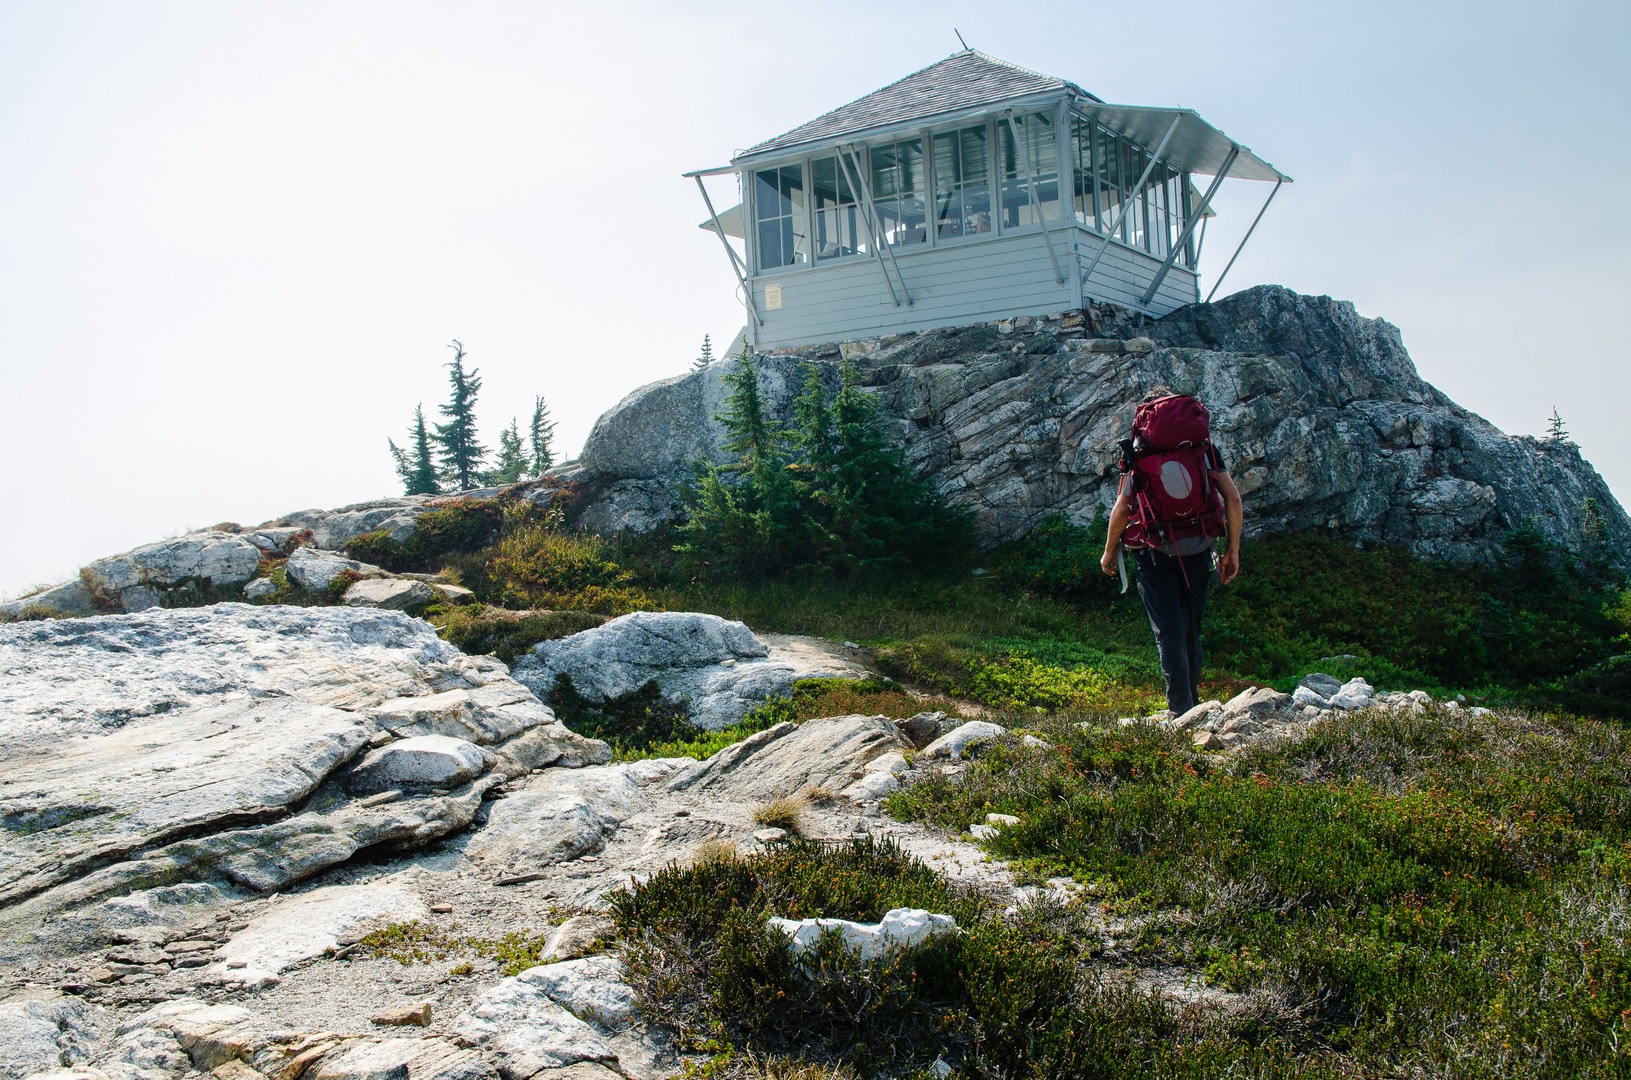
pixel 206 811
pixel 1320 414
pixel 289 842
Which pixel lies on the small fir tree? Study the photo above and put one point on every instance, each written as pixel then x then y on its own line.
pixel 1555 431
pixel 512 459
pixel 459 454
pixel 832 493
pixel 542 438
pixel 706 356
pixel 415 467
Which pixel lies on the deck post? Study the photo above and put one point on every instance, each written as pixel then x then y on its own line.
pixel 1189 226
pixel 852 165
pixel 1121 211
pixel 737 266
pixel 1243 240
pixel 1030 187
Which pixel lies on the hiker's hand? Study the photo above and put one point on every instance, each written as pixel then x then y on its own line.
pixel 1108 563
pixel 1228 567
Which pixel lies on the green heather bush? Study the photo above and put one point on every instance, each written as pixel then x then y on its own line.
pixel 478 628
pixel 1412 623
pixel 536 564
pixel 458 527
pixel 1007 996
pixel 1434 894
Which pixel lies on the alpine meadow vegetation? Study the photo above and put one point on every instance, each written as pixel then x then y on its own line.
pixel 1438 893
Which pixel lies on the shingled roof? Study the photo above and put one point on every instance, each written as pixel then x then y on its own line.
pixel 961 81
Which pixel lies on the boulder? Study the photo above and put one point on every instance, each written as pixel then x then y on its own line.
pixel 259 589
pixel 1304 695
pixel 900 928
pixel 424 761
pixel 1356 693
pixel 316 571
pixel 69 598
pixel 1320 683
pixel 922 729
pixel 790 759
pixel 146 576
pixel 395 594
pixel 1203 715
pixel 717 667
pixel 956 742
pixel 1257 702
pixel 578 937
pixel 333 529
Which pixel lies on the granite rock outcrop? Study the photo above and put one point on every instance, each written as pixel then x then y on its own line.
pixel 1321 414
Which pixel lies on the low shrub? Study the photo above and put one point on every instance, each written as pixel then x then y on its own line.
pixel 1014 995
pixel 458 527
pixel 479 628
pixel 535 564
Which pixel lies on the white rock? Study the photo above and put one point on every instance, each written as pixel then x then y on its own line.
pixel 984 832
pixel 1001 821
pixel 300 927
pixel 69 598
pixel 563 814
pixel 591 988
pixel 956 742
pixel 788 759
pixel 333 529
pixel 899 928
pixel 717 667
pixel 260 587
pixel 396 594
pixel 1304 696
pixel 424 761
pixel 148 746
pixel 1200 714
pixel 314 570
pixel 44 1032
pixel 137 579
pixel 520 1021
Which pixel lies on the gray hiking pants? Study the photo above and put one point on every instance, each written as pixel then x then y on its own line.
pixel 1176 607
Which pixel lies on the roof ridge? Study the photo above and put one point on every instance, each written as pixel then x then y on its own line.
pixel 1024 70
pixel 870 93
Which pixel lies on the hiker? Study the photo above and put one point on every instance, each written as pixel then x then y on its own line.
pixel 1176 499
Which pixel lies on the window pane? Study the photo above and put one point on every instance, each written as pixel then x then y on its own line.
pixel 1039 150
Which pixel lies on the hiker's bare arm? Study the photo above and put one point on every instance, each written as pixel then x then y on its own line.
pixel 1118 525
pixel 1229 564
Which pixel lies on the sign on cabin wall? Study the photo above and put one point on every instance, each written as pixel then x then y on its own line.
pixel 773 297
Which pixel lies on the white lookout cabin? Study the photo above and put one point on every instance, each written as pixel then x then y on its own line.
pixel 970 191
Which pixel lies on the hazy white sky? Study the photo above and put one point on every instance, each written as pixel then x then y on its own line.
pixel 235 238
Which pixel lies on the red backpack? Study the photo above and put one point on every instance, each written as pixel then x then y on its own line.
pixel 1167 466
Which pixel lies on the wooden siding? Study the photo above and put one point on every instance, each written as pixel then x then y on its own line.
pixel 1124 274
pixel 958 284
pixel 953 285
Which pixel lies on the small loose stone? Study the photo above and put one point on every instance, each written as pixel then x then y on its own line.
pixel 405 1016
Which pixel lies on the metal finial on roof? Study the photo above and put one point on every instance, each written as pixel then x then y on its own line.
pixel 960 40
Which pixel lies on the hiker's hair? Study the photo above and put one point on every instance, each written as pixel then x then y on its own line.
pixel 1158 393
